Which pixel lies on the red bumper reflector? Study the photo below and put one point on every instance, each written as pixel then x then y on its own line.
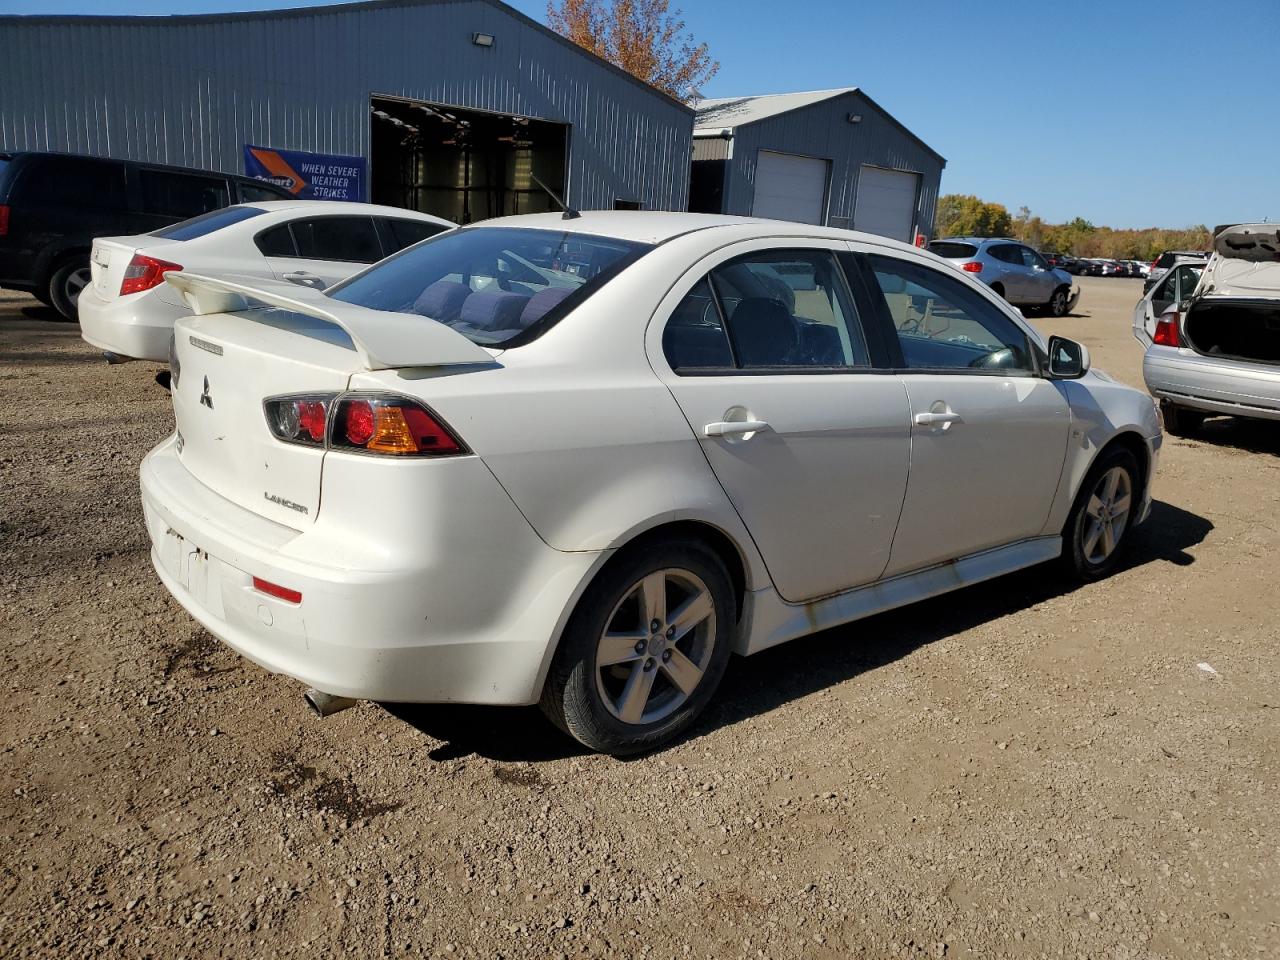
pixel 275 590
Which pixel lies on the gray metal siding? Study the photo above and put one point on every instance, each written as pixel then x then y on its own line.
pixel 193 90
pixel 823 130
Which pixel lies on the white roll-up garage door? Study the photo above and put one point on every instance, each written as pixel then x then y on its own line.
pixel 886 202
pixel 790 187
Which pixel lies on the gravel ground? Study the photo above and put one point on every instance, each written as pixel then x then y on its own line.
pixel 1017 769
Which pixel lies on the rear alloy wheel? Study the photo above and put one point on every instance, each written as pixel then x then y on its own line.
pixel 1180 421
pixel 645 650
pixel 66 284
pixel 1102 515
pixel 1057 305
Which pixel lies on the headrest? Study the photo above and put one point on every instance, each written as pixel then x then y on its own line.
pixel 541 303
pixel 493 310
pixel 442 300
pixel 764 332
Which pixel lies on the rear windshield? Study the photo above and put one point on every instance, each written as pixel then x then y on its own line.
pixel 498 286
pixel 207 223
pixel 953 250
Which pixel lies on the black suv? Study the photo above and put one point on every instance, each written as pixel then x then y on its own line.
pixel 52 205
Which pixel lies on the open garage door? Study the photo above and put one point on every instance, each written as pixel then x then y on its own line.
pixel 886 202
pixel 790 187
pixel 464 165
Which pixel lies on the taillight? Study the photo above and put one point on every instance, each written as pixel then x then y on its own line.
pixel 1167 331
pixel 369 423
pixel 145 272
pixel 973 266
pixel 391 425
pixel 4 220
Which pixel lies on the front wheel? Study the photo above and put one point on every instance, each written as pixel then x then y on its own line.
pixel 644 651
pixel 1057 305
pixel 1101 516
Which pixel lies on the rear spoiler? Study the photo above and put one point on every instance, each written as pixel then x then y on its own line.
pixel 384 340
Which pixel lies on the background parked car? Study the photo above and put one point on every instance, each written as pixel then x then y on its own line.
pixel 52 205
pixel 1167 259
pixel 1218 350
pixel 1013 270
pixel 128 310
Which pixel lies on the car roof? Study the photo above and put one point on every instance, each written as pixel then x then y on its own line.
pixel 653 226
pixel 339 206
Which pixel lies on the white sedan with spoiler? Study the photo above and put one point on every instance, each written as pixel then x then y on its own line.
pixel 580 461
pixel 127 311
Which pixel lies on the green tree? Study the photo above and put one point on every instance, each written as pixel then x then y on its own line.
pixel 964 215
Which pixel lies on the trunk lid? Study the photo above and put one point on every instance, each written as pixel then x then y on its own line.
pixel 1246 262
pixel 279 339
pixel 110 257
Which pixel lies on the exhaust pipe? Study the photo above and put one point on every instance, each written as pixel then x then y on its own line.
pixel 326 704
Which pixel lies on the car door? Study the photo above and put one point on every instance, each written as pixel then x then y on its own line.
pixel 1175 287
pixel 319 251
pixel 989 434
pixel 1039 276
pixel 1011 271
pixel 761 346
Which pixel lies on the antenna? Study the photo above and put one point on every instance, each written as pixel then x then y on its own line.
pixel 569 212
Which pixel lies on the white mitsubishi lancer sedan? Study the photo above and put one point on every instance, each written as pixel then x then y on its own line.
pixel 579 461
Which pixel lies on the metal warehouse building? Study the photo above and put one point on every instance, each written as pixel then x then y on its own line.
pixel 827 156
pixel 452 106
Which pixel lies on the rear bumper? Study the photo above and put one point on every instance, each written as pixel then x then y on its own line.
pixel 137 326
pixel 459 606
pixel 1188 379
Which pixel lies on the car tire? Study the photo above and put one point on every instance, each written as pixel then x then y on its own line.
pixel 65 283
pixel 998 290
pixel 590 699
pixel 1057 305
pixel 1096 530
pixel 1179 421
pixel 42 294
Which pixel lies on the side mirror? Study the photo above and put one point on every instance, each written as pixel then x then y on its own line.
pixel 1068 360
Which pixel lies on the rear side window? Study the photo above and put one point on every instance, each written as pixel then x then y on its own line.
pixel 952 249
pixel 348 239
pixel 73 182
pixel 276 242
pixel 1005 252
pixel 406 233
pixel 783 308
pixel 181 194
pixel 207 223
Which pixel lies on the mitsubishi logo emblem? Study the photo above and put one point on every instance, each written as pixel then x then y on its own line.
pixel 204 396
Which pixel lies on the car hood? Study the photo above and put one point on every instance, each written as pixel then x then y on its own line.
pixel 1245 262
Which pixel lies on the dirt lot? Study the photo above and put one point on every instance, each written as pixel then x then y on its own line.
pixel 1014 770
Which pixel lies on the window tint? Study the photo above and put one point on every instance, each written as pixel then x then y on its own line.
pixel 944 325
pixel 251 193
pixel 351 239
pixel 782 308
pixel 1005 252
pixel 207 223
pixel 181 194
pixel 694 337
pixel 276 242
pixel 953 249
pixel 498 286
pixel 73 182
pixel 406 233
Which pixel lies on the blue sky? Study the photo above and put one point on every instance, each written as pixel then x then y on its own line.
pixel 1122 113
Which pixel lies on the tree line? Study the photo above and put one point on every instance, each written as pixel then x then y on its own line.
pixel 964 215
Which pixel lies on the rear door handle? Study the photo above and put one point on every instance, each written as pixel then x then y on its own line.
pixel 733 428
pixel 933 419
pixel 304 279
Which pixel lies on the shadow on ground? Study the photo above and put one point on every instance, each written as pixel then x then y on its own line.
pixel 758 684
pixel 1251 436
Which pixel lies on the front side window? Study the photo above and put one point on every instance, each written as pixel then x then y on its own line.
pixel 252 193
pixel 345 239
pixel 181 194
pixel 943 325
pixel 498 286
pixel 1032 259
pixel 773 309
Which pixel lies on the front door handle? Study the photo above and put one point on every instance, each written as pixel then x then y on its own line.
pixel 733 428
pixel 933 419
pixel 304 279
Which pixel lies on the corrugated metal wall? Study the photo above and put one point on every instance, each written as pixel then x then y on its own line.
pixel 193 90
pixel 823 130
